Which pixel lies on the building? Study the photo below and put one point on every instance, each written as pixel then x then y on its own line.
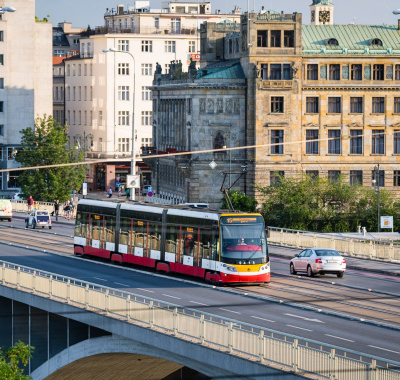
pixel 321 99
pixel 25 82
pixel 106 93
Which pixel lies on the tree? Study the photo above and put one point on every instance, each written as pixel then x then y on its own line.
pixel 240 201
pixel 11 360
pixel 47 145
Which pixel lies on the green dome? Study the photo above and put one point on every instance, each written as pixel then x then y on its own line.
pixel 322 2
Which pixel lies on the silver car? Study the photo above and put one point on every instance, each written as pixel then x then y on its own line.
pixel 318 261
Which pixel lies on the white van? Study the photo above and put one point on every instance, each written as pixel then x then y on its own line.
pixel 5 209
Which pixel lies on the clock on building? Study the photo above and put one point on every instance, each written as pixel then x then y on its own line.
pixel 312 16
pixel 324 16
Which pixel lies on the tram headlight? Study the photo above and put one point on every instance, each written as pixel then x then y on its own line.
pixel 230 268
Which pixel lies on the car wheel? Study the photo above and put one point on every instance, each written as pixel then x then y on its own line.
pixel 9 220
pixel 340 274
pixel 50 228
pixel 310 273
pixel 292 271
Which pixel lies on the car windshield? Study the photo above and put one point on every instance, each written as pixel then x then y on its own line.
pixel 326 252
pixel 41 213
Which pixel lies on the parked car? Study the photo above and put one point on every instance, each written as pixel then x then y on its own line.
pixel 38 218
pixel 318 261
pixel 18 197
pixel 145 189
pixel 6 209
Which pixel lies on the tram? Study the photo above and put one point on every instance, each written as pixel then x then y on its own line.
pixel 221 247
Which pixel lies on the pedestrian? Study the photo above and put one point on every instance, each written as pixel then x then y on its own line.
pixel 128 193
pixel 72 207
pixel 119 192
pixel 109 192
pixel 67 210
pixel 30 203
pixel 56 208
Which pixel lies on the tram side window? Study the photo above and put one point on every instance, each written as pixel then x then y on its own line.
pixel 155 236
pixel 190 242
pixel 109 224
pixel 124 231
pixel 207 242
pixel 171 239
pixel 96 227
pixel 139 228
pixel 80 225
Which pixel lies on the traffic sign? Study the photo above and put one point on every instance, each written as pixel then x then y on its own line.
pixel 87 176
pixel 150 194
pixel 150 188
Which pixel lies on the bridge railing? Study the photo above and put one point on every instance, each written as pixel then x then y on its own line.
pixel 360 247
pixel 22 206
pixel 257 344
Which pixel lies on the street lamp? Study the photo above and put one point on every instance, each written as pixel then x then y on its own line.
pixel 230 156
pixel 133 160
pixel 377 190
pixel 6 9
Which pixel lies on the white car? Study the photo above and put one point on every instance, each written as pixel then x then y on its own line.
pixel 38 218
pixel 318 261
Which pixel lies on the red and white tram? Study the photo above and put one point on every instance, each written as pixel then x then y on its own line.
pixel 223 247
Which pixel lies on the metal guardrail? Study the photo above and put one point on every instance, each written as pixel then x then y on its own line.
pixel 266 346
pixel 371 249
pixel 22 206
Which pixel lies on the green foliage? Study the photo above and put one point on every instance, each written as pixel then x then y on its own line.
pixel 13 359
pixel 45 19
pixel 240 201
pixel 47 145
pixel 318 204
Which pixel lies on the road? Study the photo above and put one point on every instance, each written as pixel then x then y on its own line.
pixel 359 312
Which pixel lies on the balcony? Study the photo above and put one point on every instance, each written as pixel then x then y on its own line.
pixel 145 30
pixel 276 83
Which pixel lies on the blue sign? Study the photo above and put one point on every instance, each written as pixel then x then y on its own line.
pixel 150 194
pixel 150 188
pixel 117 184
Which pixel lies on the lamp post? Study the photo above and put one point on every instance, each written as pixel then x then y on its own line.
pixel 6 9
pixel 230 157
pixel 133 160
pixel 377 190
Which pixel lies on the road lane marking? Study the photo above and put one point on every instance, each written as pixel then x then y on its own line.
pixel 118 283
pixel 101 279
pixel 167 295
pixel 199 303
pixel 338 337
pixel 307 319
pixel 231 311
pixel 384 349
pixel 263 319
pixel 145 290
pixel 297 327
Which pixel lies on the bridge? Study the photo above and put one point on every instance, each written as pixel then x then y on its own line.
pixel 68 319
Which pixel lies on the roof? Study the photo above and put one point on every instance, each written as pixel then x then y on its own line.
pixel 58 60
pixel 322 2
pixel 59 38
pixel 222 70
pixel 352 39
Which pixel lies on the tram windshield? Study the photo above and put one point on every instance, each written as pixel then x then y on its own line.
pixel 243 240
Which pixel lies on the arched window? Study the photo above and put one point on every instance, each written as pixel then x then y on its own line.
pixel 376 42
pixel 332 42
pixel 219 141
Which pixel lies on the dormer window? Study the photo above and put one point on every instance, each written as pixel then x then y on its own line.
pixel 376 42
pixel 332 42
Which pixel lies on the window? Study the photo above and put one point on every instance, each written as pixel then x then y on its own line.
pixel 378 72
pixel 332 42
pixel 396 142
pixel 333 175
pixel 312 143
pixel 262 38
pixel 397 72
pixel 1 132
pixel 1 83
pixel 356 177
pixel 312 72
pixel 378 105
pixel 100 118
pixel 276 177
pixel 312 173
pixel 123 92
pixel 79 70
pixel 68 70
pixel 1 35
pixel 123 118
pixel 91 93
pixel 396 105
pixel 147 117
pixel 123 68
pixel 1 106
pixel 277 104
pixel 73 69
pixel 312 104
pixel 356 72
pixel 275 71
pixel 396 178
pixel 85 118
pixel 1 59
pixel 85 69
pixel 334 104
pixel 123 145
pixel 146 93
pixel 79 93
pixel 147 46
pixel 123 45
pixel 192 46
pixel 79 117
pixel 12 179
pixel 85 93
pixel 334 141
pixel 381 178
pixel 170 46
pixel 356 141
pixel 277 141
pixel 264 71
pixel 275 38
pixel 288 38
pixel 378 141
pixel 356 105
pixel 334 72
pixel 376 42
pixel 147 69
pixel 74 93
pixel 156 22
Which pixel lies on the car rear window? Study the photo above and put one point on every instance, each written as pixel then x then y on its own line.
pixel 326 252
